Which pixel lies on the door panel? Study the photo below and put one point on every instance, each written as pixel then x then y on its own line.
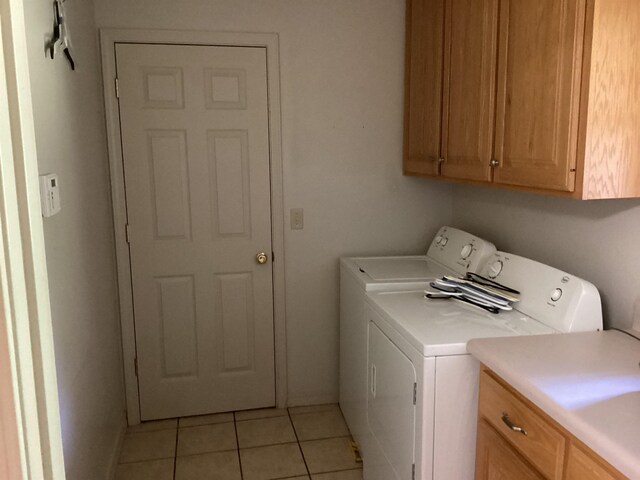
pixel 423 84
pixel 539 70
pixel 469 88
pixel 194 122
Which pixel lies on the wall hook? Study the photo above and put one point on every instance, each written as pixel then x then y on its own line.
pixel 60 37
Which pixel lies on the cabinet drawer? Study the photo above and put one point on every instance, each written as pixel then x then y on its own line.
pixel 538 441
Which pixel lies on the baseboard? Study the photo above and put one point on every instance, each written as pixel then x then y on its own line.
pixel 312 400
pixel 115 454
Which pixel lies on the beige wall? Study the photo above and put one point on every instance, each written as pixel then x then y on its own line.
pixel 595 240
pixel 342 81
pixel 69 122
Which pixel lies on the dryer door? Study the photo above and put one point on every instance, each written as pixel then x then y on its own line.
pixel 390 405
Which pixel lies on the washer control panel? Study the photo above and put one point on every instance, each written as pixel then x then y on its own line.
pixel 551 296
pixel 460 250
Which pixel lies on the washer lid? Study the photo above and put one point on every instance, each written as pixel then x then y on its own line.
pixel 400 268
pixel 443 327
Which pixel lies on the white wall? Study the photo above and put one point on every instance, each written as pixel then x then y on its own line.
pixel 342 85
pixel 596 240
pixel 69 122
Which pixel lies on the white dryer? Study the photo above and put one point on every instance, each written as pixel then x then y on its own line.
pixel 452 251
pixel 423 386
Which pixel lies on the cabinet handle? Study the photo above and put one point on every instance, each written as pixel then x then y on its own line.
pixel 511 425
pixel 494 162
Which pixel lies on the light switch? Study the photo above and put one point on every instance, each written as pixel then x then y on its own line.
pixel 49 194
pixel 297 218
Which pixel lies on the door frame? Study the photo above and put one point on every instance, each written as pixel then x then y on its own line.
pixel 108 39
pixel 30 428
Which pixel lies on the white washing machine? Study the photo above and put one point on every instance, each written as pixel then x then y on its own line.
pixel 452 251
pixel 423 386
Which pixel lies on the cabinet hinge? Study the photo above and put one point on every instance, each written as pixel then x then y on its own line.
pixel 117 84
pixel 415 393
pixel 135 365
pixel 273 257
pixel 413 472
pixel 126 231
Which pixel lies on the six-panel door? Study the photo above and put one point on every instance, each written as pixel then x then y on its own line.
pixel 194 123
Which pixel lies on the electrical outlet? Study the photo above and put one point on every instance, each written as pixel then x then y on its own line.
pixel 297 218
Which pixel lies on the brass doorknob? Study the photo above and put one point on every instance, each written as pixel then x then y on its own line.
pixel 262 258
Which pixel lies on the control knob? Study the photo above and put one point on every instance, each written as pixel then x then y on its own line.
pixel 495 268
pixel 466 251
pixel 556 294
pixel 438 239
pixel 444 241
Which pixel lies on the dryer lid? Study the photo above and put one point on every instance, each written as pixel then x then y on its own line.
pixel 400 268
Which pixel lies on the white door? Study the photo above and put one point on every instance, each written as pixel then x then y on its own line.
pixel 195 144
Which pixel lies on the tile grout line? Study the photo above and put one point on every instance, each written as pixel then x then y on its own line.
pixel 235 427
pixel 293 427
pixel 175 451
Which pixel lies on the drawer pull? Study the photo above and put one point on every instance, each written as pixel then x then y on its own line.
pixel 511 425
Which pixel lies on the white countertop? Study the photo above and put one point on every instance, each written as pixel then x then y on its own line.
pixel 588 382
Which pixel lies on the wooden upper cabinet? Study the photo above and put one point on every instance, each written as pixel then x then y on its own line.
pixel 539 72
pixel 469 88
pixel 423 86
pixel 540 95
pixel 610 150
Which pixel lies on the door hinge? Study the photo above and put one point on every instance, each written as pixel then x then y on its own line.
pixel 415 393
pixel 117 88
pixel 413 472
pixel 273 257
pixel 126 230
pixel 135 365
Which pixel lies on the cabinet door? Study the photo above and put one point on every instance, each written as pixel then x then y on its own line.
pixel 583 465
pixel 469 88
pixel 423 86
pixel 497 460
pixel 539 69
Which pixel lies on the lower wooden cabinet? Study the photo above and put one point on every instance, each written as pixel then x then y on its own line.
pixel 517 440
pixel 583 464
pixel 496 459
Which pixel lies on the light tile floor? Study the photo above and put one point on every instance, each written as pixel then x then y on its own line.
pixel 299 443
